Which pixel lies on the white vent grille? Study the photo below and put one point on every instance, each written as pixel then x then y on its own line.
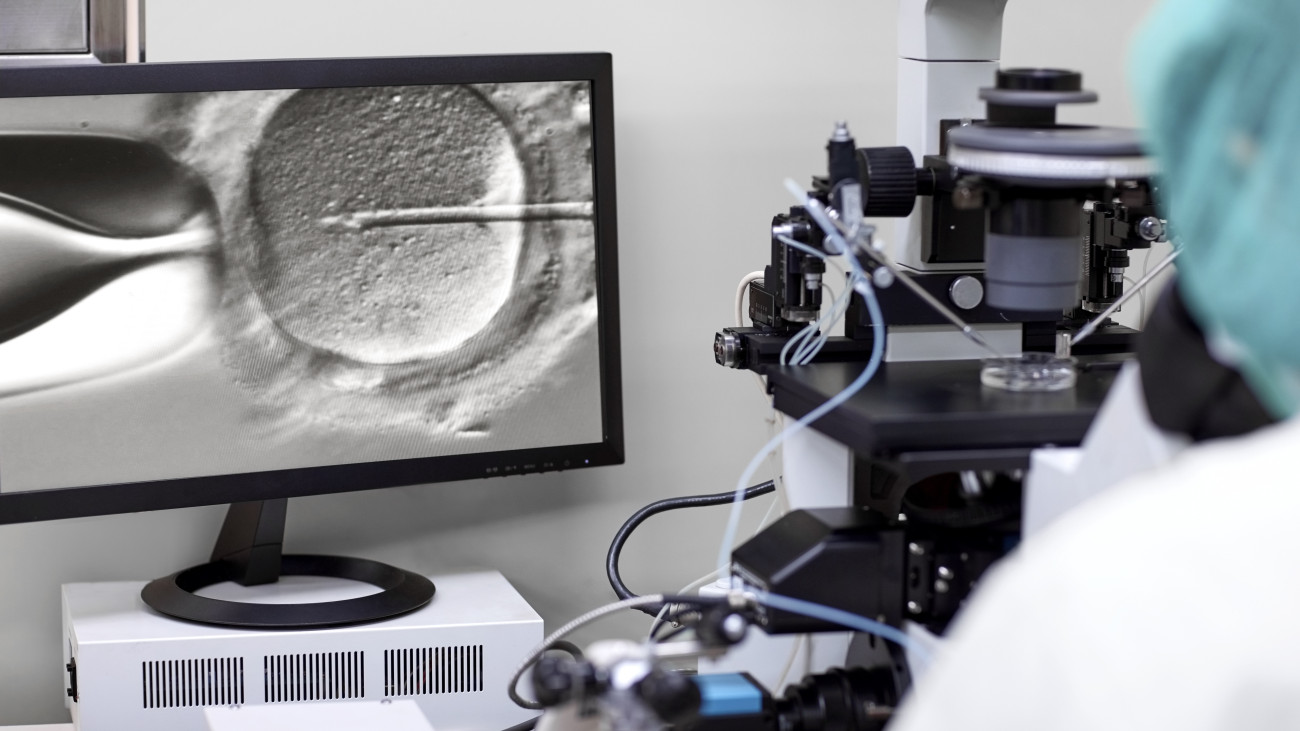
pixel 433 670
pixel 313 677
pixel 185 683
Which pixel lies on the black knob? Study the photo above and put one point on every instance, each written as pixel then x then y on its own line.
pixel 889 181
pixel 1040 80
pixel 721 626
pixel 673 697
pixel 552 681
pixel 1029 97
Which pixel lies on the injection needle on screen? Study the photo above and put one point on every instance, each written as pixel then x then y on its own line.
pixel 361 220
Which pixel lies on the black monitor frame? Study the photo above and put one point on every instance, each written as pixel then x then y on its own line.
pixel 60 503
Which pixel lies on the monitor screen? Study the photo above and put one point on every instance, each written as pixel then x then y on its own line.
pixel 239 281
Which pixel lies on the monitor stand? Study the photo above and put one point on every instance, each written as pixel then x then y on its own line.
pixel 248 552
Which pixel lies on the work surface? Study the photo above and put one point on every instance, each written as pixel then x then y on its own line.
pixel 940 405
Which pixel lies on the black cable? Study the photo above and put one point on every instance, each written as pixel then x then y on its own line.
pixel 673 503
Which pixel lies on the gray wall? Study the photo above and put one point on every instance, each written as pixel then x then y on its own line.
pixel 717 102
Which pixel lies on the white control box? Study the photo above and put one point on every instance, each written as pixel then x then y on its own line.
pixel 387 715
pixel 137 669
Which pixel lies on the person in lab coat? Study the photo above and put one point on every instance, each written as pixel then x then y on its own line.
pixel 1169 602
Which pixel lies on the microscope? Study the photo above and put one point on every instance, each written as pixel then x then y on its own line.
pixel 1013 226
pixel 1012 236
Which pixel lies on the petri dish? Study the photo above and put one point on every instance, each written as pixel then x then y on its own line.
pixel 1030 372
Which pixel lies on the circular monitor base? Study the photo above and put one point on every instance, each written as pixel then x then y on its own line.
pixel 402 592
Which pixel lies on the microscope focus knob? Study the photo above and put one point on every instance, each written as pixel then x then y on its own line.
pixel 889 181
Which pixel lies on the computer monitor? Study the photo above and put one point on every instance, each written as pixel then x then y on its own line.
pixel 239 282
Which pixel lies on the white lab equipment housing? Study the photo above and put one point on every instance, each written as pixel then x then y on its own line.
pixel 137 669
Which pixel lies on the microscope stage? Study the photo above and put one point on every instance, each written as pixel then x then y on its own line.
pixel 927 406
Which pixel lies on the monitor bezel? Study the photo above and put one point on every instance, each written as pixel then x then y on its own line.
pixel 597 68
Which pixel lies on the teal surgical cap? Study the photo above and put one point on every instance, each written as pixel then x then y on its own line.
pixel 1218 87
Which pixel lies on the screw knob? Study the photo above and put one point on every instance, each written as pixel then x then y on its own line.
pixel 889 181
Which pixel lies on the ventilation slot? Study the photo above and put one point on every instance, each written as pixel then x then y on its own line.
pixel 433 670
pixel 319 676
pixel 186 683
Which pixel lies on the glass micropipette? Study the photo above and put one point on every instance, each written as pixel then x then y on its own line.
pixel 1096 322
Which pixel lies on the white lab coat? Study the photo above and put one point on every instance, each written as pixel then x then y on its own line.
pixel 1171 601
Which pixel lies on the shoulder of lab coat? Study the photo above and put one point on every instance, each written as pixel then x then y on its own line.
pixel 1169 602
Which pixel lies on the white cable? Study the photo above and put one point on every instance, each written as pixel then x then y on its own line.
pixel 654 623
pixel 789 662
pixel 803 334
pixel 779 506
pixel 1142 302
pixel 560 633
pixel 771 509
pixel 810 342
pixel 863 285
pixel 733 522
pixel 705 579
pixel 843 618
pixel 781 502
pixel 824 323
pixel 810 334
pixel 689 588
pixel 801 355
pixel 860 282
pixel 1146 266
pixel 740 295
pixel 839 307
pixel 741 289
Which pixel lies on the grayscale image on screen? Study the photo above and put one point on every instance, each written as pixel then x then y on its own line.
pixel 231 282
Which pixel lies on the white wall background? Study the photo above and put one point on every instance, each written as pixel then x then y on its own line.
pixel 717 101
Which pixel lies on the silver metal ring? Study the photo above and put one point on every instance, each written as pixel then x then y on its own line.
pixel 1050 167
